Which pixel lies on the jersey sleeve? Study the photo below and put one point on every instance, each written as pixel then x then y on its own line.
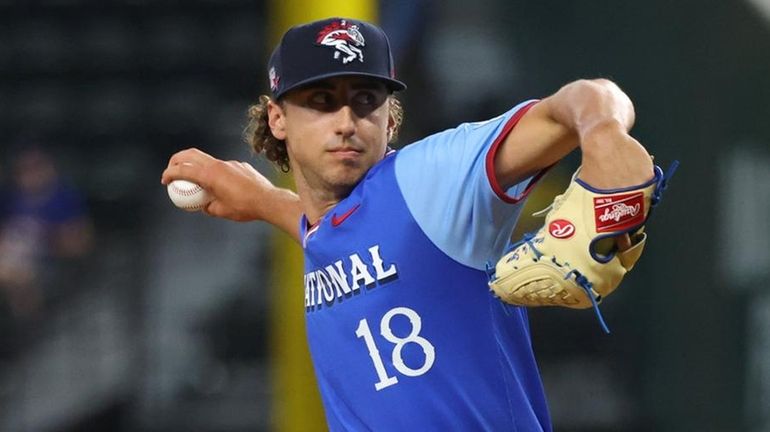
pixel 449 186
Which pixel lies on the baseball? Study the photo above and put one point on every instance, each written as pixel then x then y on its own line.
pixel 188 195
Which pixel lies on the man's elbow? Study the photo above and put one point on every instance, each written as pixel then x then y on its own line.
pixel 597 89
pixel 608 98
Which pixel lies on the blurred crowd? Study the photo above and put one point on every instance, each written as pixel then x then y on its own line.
pixel 45 232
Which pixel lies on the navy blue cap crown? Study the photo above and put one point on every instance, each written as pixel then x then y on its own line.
pixel 329 48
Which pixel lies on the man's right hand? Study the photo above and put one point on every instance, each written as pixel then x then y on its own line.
pixel 240 192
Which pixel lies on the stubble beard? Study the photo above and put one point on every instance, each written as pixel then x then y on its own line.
pixel 334 183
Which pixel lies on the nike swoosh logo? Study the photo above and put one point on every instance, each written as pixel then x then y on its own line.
pixel 337 220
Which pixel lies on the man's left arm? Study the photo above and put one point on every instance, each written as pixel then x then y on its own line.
pixel 595 115
pixel 594 232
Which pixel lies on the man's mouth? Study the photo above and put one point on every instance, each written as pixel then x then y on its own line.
pixel 346 151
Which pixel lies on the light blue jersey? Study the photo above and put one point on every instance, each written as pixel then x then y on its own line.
pixel 403 330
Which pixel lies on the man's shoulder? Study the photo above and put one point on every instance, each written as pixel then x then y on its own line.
pixel 485 126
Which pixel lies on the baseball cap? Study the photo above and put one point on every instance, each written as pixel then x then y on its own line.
pixel 329 48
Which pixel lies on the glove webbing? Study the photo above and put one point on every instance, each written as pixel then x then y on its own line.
pixel 581 280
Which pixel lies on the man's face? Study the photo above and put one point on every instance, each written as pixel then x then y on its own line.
pixel 335 130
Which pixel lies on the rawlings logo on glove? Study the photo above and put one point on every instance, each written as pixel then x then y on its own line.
pixel 616 211
pixel 573 260
pixel 561 229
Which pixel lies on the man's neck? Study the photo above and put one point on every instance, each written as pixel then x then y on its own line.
pixel 317 202
pixel 316 209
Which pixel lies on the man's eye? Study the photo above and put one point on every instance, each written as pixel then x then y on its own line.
pixel 365 98
pixel 320 98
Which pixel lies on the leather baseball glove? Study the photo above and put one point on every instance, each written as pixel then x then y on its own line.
pixel 573 260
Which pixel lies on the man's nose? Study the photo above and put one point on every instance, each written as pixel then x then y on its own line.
pixel 345 121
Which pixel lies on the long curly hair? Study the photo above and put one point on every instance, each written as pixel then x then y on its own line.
pixel 261 140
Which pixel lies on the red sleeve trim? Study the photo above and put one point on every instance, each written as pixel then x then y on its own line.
pixel 490 160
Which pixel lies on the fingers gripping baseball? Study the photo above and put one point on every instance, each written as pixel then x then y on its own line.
pixel 233 187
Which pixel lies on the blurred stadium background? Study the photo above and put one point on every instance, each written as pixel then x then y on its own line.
pixel 120 313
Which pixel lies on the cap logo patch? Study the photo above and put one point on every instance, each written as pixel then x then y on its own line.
pixel 561 229
pixel 345 38
pixel 617 212
pixel 274 79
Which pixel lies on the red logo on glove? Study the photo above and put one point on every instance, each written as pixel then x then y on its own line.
pixel 619 212
pixel 561 229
